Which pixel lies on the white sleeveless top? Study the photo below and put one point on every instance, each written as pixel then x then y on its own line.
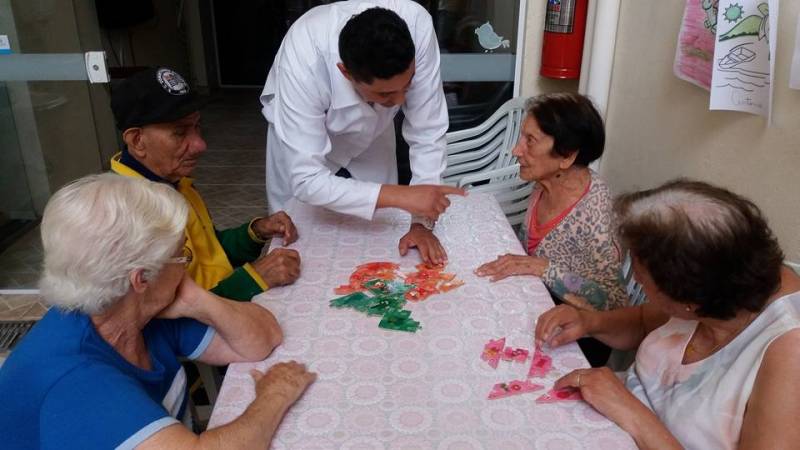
pixel 703 403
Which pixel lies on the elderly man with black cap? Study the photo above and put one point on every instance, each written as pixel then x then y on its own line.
pixel 159 115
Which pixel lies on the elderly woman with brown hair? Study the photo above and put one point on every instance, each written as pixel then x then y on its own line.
pixel 101 369
pixel 719 341
pixel 568 229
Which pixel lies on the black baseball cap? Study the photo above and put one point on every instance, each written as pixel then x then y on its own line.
pixel 154 95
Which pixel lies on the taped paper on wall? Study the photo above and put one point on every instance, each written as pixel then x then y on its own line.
pixel 794 75
pixel 744 63
pixel 695 51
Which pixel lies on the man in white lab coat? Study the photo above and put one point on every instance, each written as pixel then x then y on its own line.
pixel 342 73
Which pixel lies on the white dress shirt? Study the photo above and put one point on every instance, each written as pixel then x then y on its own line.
pixel 318 123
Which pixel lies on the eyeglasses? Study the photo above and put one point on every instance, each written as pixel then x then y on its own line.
pixel 186 259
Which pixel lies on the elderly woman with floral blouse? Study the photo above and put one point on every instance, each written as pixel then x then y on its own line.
pixel 568 229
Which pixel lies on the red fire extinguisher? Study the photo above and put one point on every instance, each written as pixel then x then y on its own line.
pixel 564 28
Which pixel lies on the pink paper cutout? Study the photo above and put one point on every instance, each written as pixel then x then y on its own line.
pixel 515 354
pixel 492 350
pixel 541 364
pixel 561 395
pixel 514 387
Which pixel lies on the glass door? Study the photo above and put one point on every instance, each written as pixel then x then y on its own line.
pixel 55 122
pixel 478 42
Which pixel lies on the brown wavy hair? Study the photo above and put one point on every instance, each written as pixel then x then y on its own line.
pixel 702 245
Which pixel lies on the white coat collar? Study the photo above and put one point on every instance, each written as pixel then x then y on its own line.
pixel 343 94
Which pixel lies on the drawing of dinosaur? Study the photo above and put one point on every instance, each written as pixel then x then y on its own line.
pixel 751 26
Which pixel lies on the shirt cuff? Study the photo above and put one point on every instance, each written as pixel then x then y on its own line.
pixel 251 232
pixel 424 221
pixel 255 276
pixel 147 431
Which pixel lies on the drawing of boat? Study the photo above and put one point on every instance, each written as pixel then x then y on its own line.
pixel 738 55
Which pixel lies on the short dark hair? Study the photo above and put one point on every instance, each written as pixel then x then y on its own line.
pixel 573 122
pixel 702 245
pixel 376 44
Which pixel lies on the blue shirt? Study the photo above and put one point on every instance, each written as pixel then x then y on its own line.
pixel 64 386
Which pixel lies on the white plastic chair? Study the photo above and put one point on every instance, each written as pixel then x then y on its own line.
pixel 505 184
pixel 487 146
pixel 634 290
pixel 621 360
pixel 794 266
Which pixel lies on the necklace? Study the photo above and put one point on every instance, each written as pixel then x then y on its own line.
pixel 691 348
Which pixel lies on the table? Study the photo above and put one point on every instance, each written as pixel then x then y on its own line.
pixel 383 389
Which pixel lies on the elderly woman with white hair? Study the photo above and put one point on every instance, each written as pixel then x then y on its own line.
pixel 101 369
pixel 718 342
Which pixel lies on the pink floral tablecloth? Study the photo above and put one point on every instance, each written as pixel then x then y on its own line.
pixel 382 389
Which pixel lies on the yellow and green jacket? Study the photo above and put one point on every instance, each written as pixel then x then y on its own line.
pixel 220 259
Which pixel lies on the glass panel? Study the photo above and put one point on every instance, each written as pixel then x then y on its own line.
pixel 48 129
pixel 478 40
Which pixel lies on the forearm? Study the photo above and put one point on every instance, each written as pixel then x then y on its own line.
pixel 649 432
pixel 621 329
pixel 255 428
pixel 392 196
pixel 252 332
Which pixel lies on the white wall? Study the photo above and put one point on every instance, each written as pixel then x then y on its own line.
pixel 659 127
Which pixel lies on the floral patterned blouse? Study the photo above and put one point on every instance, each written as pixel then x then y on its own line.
pixel 583 254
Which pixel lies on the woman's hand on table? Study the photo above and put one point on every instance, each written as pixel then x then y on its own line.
pixel 561 325
pixel 428 245
pixel 507 265
pixel 284 381
pixel 603 389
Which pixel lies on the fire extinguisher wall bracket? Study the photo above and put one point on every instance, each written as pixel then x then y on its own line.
pixel 562 45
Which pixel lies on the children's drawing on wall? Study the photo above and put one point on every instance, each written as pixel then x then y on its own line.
pixel 695 52
pixel 743 63
pixel 794 74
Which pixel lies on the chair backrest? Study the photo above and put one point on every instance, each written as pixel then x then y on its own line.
pixel 487 146
pixel 510 191
pixel 634 290
pixel 794 266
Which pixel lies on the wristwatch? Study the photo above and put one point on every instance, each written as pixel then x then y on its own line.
pixel 424 221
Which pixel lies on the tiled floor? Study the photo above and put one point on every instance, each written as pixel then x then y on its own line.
pixel 230 177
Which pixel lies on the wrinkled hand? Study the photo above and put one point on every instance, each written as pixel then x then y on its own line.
pixel 561 325
pixel 508 265
pixel 284 381
pixel 428 245
pixel 188 296
pixel 602 389
pixel 279 267
pixel 278 224
pixel 429 200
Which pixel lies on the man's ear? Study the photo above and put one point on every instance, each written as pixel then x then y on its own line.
pixel 138 280
pixel 133 138
pixel 344 71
